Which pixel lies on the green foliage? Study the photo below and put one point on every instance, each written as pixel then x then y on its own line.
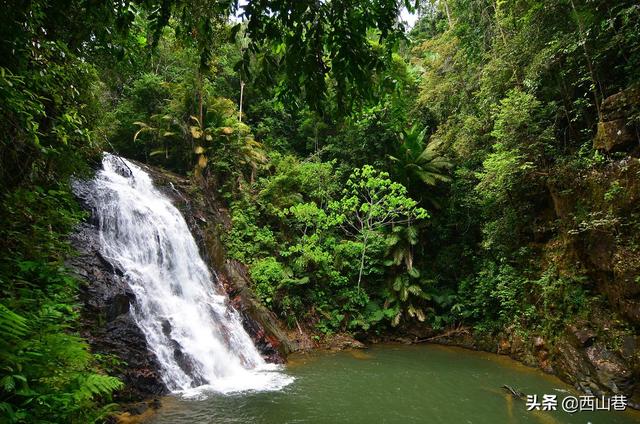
pixel 247 240
pixel 267 275
pixel 417 161
pixel 305 265
pixel 347 131
pixel 510 112
pixel 416 164
pixel 563 299
pixel 502 296
pixel 614 191
pixel 371 202
pixel 44 117
pixel 341 43
pixel 405 292
pixel 47 373
pixel 513 97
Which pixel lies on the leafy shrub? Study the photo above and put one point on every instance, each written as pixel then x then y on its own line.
pixel 267 275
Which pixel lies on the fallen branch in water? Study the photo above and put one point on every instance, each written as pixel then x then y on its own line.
pixel 514 391
pixel 454 331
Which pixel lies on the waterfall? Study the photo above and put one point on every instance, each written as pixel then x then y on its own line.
pixel 183 312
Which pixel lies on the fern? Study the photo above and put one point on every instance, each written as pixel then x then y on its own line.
pixel 12 325
pixel 46 374
pixel 94 385
pixel 7 411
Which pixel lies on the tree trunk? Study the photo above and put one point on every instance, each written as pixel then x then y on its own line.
pixel 364 250
pixel 446 9
pixel 200 101
pixel 241 95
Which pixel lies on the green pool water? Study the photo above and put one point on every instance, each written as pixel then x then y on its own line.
pixel 392 384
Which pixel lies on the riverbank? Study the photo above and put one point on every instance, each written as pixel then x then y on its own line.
pixel 579 359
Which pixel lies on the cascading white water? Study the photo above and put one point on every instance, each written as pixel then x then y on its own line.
pixel 185 316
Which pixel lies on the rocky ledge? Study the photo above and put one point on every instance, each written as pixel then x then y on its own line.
pixel 618 128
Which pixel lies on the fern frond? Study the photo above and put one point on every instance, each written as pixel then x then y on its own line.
pixel 12 325
pixel 97 385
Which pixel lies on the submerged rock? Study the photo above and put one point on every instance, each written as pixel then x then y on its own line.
pixel 343 341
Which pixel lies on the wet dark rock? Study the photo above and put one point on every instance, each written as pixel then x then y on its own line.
pixel 185 362
pixel 106 320
pixel 570 365
pixel 121 167
pixel 629 346
pixel 614 135
pixel 166 328
pixel 120 304
pixel 630 308
pixel 610 370
pixel 517 346
pixel 261 324
pixel 594 370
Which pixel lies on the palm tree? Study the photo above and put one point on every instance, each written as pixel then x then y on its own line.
pixel 417 162
pixel 252 155
pixel 405 293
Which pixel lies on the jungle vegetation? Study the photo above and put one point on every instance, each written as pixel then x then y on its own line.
pixel 378 176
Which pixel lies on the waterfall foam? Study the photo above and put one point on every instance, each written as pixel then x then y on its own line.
pixel 184 314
